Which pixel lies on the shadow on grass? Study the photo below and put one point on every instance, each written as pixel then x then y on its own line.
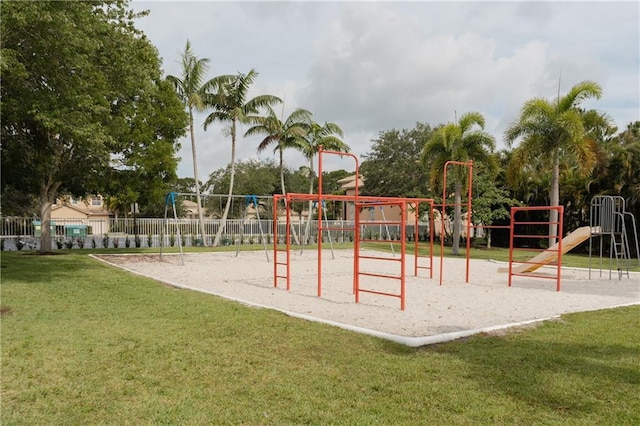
pixel 31 268
pixel 583 373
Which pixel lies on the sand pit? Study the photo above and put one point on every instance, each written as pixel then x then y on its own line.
pixel 433 313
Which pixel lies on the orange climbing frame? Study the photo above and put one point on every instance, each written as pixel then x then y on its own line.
pixel 552 253
pixel 279 264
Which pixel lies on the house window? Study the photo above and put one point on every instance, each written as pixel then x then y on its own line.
pixel 96 201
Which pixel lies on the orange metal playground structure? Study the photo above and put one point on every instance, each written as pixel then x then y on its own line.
pixel 282 255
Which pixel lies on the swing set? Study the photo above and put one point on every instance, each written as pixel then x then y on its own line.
pixel 249 200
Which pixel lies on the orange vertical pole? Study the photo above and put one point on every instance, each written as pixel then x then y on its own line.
pixel 512 229
pixel 356 251
pixel 275 240
pixel 470 181
pixel 559 232
pixel 288 240
pixel 403 247
pixel 431 235
pixel 415 240
pixel 319 238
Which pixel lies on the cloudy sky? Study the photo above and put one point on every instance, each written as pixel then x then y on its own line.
pixel 376 66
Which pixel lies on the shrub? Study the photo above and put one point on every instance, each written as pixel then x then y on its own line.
pixel 93 242
pixel 127 242
pixel 116 243
pixel 69 244
pixel 137 240
pixel 150 240
pixel 80 242
pixel 172 239
pixel 19 244
pixel 105 241
pixel 59 243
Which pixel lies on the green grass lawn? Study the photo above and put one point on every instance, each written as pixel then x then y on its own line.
pixel 84 343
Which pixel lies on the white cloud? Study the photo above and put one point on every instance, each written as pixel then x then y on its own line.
pixel 373 66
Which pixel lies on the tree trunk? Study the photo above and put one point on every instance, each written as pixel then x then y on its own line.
pixel 294 234
pixel 457 220
pixel 46 199
pixel 310 205
pixel 554 198
pixel 195 175
pixel 489 238
pixel 223 221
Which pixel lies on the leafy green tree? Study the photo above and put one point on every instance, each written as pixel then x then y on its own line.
pixel 623 170
pixel 192 87
pixel 330 181
pixel 462 141
pixel 71 73
pixel 186 185
pixel 491 200
pixel 392 167
pixel 230 104
pixel 253 177
pixel 555 132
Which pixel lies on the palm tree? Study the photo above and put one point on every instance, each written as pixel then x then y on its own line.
pixel 191 89
pixel 282 135
pixel 557 131
pixel 229 103
pixel 462 141
pixel 287 134
pixel 317 136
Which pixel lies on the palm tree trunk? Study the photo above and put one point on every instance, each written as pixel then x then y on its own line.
pixel 554 197
pixel 195 175
pixel 294 234
pixel 223 221
pixel 310 205
pixel 457 219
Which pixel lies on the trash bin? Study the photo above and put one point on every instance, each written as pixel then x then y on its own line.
pixel 37 228
pixel 76 231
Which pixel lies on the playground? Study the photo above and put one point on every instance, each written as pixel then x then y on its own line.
pixel 383 294
pixel 433 313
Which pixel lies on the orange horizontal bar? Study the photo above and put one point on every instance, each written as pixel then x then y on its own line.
pixel 371 274
pixel 380 293
pixel 535 223
pixel 549 277
pixel 395 259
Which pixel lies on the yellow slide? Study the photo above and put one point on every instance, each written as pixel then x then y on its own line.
pixel 551 254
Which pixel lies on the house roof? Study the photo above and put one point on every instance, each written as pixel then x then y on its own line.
pixel 86 212
pixel 350 182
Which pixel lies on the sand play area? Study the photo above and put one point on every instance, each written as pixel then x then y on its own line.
pixel 433 313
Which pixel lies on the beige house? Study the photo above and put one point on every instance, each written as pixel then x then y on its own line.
pixel 91 212
pixel 373 213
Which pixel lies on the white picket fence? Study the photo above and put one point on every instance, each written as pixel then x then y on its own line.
pixel 24 233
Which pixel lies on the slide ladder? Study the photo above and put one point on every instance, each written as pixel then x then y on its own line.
pixel 608 218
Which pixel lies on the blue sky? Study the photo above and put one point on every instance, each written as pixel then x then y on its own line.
pixel 376 66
